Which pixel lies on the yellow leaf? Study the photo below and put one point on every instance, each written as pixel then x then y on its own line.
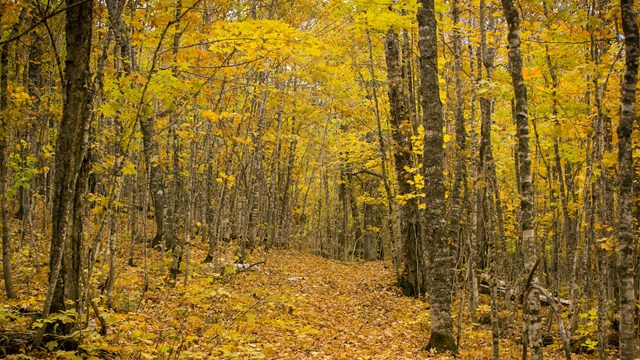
pixel 129 168
pixel 269 351
pixel 211 115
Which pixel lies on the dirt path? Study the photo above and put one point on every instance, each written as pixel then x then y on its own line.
pixel 334 310
pixel 295 306
pixel 314 308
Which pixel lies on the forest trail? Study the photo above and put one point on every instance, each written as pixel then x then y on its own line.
pixel 295 306
pixel 339 310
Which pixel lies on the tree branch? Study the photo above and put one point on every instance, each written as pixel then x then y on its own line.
pixel 366 171
pixel 44 18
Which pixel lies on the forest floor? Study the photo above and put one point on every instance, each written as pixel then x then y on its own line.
pixel 293 306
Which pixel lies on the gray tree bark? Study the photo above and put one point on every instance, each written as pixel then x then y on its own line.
pixel 177 190
pixel 71 147
pixel 626 238
pixel 533 324
pixel 411 279
pixel 488 197
pixel 436 248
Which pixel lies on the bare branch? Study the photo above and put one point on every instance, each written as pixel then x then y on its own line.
pixel 44 18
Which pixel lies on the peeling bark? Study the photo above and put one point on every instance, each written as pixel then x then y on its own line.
pixel 533 325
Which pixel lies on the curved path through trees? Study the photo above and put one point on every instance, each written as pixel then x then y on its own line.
pixel 294 306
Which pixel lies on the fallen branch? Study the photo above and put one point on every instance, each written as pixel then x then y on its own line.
pixel 245 267
pixel 556 311
pixel 484 288
pixel 530 279
pixel 103 323
pixel 20 311
pixel 503 290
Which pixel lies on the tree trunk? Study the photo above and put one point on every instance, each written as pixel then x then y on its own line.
pixel 176 214
pixel 150 147
pixel 525 185
pixel 410 280
pixel 436 251
pixel 563 183
pixel 383 151
pixel 456 216
pixel 487 179
pixel 70 151
pixel 176 217
pixel 4 134
pixel 111 279
pixel 626 239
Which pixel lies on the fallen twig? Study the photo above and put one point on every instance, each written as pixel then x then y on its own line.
pixel 247 267
pixel 103 323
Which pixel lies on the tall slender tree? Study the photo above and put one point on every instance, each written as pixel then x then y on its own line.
pixel 4 121
pixel 488 196
pixel 436 249
pixel 626 240
pixel 525 185
pixel 65 256
pixel 411 279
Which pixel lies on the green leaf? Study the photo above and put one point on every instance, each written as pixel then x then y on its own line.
pixel 51 345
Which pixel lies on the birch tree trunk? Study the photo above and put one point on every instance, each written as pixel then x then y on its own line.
pixel 526 189
pixel 456 216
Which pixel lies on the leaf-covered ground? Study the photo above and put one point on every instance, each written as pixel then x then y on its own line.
pixel 295 306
